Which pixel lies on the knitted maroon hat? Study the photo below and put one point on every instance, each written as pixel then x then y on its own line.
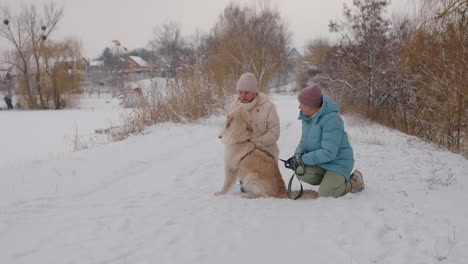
pixel 311 96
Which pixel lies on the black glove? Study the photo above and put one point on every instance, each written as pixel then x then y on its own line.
pixel 295 163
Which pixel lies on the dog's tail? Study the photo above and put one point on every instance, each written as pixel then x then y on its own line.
pixel 306 194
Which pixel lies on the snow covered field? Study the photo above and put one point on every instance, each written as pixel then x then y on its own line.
pixel 149 199
pixel 35 135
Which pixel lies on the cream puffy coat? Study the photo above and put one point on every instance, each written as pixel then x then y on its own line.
pixel 266 124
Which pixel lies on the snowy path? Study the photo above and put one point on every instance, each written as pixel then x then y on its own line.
pixel 149 199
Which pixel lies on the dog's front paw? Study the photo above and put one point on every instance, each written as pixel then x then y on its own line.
pixel 219 193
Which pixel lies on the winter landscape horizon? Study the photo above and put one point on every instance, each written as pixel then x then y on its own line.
pixel 100 26
pixel 110 114
pixel 149 198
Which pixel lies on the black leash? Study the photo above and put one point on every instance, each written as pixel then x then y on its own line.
pixel 287 165
pixel 289 187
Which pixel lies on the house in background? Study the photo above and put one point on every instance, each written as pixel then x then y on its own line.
pixel 133 64
pixel 294 57
pixel 96 65
pixel 85 64
pixel 160 65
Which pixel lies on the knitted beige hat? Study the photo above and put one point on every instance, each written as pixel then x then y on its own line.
pixel 247 82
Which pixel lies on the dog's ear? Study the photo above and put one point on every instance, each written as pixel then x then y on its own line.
pixel 229 120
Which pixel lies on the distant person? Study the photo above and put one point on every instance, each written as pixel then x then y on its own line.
pixel 324 155
pixel 8 102
pixel 8 84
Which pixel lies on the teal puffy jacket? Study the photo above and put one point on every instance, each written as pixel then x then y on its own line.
pixel 324 142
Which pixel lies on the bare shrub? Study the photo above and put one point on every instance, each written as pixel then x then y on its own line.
pixel 78 144
pixel 305 75
pixel 132 124
pixel 193 99
pixel 437 60
pixel 440 175
pixel 131 97
pixel 407 73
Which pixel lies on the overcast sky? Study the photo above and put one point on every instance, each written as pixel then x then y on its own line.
pixel 97 22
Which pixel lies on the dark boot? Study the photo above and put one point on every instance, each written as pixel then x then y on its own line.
pixel 357 183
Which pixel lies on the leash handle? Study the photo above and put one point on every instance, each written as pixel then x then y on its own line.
pixel 287 164
pixel 289 187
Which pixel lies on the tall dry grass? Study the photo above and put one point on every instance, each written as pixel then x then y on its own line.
pixel 193 97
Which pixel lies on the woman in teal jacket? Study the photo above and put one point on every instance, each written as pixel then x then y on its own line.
pixel 324 151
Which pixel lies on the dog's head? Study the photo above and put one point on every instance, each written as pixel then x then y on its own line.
pixel 238 127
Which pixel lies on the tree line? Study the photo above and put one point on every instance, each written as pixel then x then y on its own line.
pixel 46 70
pixel 408 73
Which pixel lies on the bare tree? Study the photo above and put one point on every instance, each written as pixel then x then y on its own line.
pixel 410 74
pixel 199 46
pixel 316 60
pixel 246 39
pixel 317 51
pixel 27 33
pixel 169 43
pixel 363 53
pixel 110 60
pixel 63 73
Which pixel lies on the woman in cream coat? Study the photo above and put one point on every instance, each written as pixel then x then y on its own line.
pixel 266 124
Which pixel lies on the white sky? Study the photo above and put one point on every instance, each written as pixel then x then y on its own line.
pixel 97 22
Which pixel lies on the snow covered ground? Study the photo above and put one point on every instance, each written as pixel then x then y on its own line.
pixel 34 135
pixel 149 199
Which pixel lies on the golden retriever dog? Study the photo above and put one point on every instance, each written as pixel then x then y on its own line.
pixel 243 160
